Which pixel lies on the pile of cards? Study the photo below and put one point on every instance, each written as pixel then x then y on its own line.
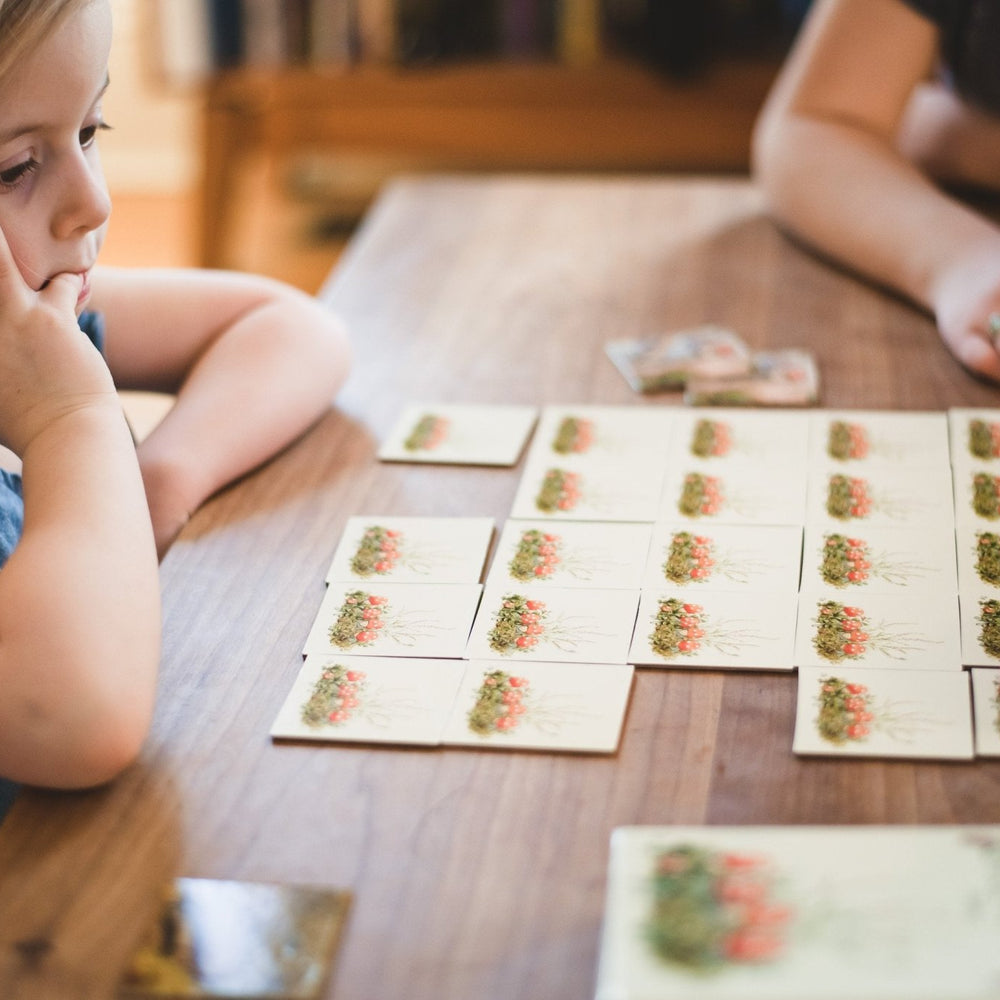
pixel 663 537
pixel 802 913
pixel 716 368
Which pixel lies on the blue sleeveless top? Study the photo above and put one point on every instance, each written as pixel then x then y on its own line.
pixel 12 516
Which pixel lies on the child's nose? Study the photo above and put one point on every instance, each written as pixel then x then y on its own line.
pixel 84 204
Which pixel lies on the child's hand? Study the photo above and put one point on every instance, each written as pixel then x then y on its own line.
pixel 48 368
pixel 967 304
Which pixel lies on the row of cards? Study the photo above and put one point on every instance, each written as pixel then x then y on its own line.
pixel 802 913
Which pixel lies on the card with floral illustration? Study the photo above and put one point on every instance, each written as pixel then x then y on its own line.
pixel 602 434
pixel 558 490
pixel 801 913
pixel 875 560
pixel 975 437
pixel 698 492
pixel 986 710
pixel 977 496
pixel 370 699
pixel 860 438
pixel 538 555
pixel 214 938
pixel 762 558
pixel 980 613
pixel 412 549
pixel 919 631
pixel 570 625
pixel 854 711
pixel 722 437
pixel 749 631
pixel 540 706
pixel 394 619
pixel 978 551
pixel 901 496
pixel 461 434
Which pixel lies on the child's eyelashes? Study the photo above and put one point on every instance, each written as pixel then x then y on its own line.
pixel 12 176
pixel 89 133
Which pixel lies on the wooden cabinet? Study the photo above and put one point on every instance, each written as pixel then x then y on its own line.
pixel 612 115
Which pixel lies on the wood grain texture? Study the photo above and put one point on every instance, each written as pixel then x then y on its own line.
pixel 474 873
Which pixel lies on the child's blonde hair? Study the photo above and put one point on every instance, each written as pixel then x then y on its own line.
pixel 24 24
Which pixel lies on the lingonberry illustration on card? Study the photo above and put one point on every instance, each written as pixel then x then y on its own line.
pixel 801 913
pixel 394 619
pixel 858 438
pixel 718 629
pixel 724 557
pixel 540 555
pixel 723 437
pixel 879 630
pixel 370 700
pixel 412 549
pixel 566 624
pixel 870 712
pixel 463 434
pixel 540 706
pixel 875 560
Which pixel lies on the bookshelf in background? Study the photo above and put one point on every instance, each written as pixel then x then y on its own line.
pixel 472 84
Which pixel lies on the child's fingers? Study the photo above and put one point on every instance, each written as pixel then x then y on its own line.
pixel 62 291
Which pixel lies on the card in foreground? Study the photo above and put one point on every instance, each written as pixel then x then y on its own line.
pixel 802 913
pixel 986 710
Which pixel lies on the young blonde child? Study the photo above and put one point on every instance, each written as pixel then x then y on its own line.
pixel 252 363
pixel 885 109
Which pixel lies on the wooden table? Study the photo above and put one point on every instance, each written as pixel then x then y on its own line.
pixel 475 873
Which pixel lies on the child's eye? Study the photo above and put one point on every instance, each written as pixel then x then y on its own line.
pixel 13 176
pixel 89 133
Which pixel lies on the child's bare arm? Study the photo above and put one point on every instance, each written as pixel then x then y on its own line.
pixel 79 596
pixel 827 156
pixel 253 362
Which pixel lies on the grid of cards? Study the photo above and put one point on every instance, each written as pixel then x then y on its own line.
pixel 856 547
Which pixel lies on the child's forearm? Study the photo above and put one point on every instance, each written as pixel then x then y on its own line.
pixel 261 384
pixel 853 198
pixel 79 608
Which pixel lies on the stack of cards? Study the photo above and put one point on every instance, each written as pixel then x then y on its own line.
pixel 664 537
pixel 802 913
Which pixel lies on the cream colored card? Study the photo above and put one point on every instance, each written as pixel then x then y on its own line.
pixel 980 629
pixel 885 496
pixel 975 437
pixel 412 549
pixel 541 706
pixel 854 711
pixel 563 625
pixel 625 489
pixel 860 438
pixel 986 710
pixel 539 555
pixel 722 437
pixel 698 492
pixel 370 699
pixel 802 913
pixel 394 619
pixel 602 434
pixel 977 496
pixel 750 558
pixel 978 553
pixel 462 434
pixel 919 632
pixel 863 559
pixel 716 629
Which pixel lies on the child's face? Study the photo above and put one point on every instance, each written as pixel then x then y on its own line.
pixel 54 202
